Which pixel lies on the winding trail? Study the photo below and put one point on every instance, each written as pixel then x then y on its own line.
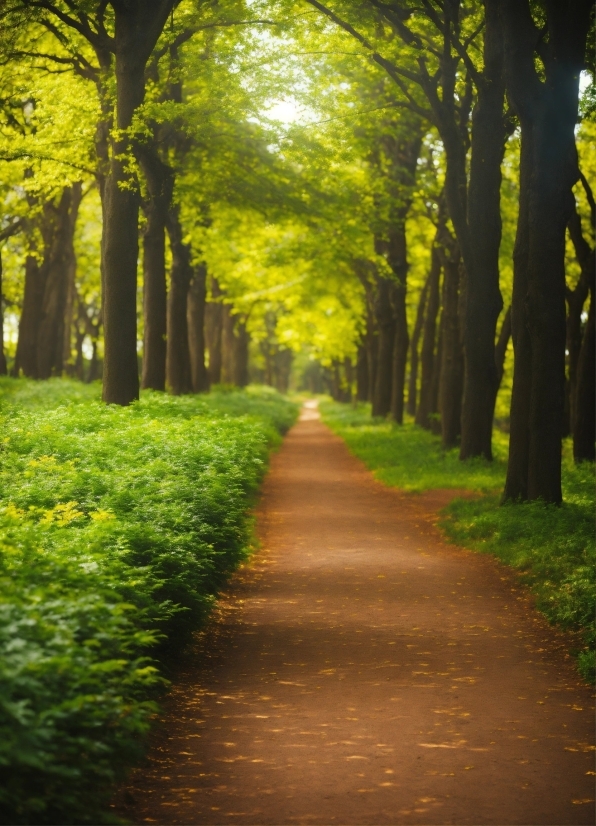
pixel 361 671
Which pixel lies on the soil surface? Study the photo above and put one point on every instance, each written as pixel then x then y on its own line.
pixel 361 671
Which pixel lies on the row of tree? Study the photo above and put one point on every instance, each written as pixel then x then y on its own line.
pixel 431 133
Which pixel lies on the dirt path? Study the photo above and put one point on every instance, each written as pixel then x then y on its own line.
pixel 362 672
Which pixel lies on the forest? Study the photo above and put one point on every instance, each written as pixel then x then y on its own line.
pixel 206 205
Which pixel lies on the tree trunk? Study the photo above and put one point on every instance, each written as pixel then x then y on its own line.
pixel 26 355
pixel 401 340
pixel 435 417
pixel 196 329
pixel 429 364
pixel 241 340
pixel 414 354
pixel 548 114
pixel 501 348
pixel 178 373
pixel 60 257
pixel 362 380
pixel 160 179
pixel 452 365
pixel 227 345
pixel 214 332
pixel 575 302
pixel 384 369
pixel 3 365
pixel 69 308
pixel 137 28
pixel 585 406
pixel 516 483
pixel 482 301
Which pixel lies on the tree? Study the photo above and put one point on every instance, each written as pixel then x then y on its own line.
pixel 547 108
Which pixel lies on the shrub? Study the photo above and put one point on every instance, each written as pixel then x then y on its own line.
pixel 117 528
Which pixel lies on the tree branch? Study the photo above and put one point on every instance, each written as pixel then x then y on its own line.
pixel 12 229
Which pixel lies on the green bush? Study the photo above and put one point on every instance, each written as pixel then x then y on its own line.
pixel 117 528
pixel 552 547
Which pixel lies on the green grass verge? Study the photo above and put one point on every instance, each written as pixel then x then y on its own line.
pixel 117 528
pixel 552 547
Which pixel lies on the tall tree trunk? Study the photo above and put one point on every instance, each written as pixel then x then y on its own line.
pixel 548 114
pixel 428 359
pixel 227 345
pixel 435 417
pixel 501 348
pixel 137 28
pixel 501 352
pixel 482 301
pixel 384 369
pixel 178 372
pixel 26 355
pixel 60 256
pixel 362 380
pixel 452 364
pixel 414 354
pixel 69 310
pixel 240 355
pixel 214 332
pixel 3 366
pixel 196 329
pixel 575 302
pixel 585 406
pixel 401 340
pixel 400 156
pixel 160 179
pixel 7 232
pixel 516 484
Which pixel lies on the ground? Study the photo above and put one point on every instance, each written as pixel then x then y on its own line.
pixel 361 671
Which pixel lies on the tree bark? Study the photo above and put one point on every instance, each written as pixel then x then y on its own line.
pixel 3 365
pixel 501 348
pixel 452 360
pixel 26 355
pixel 414 354
pixel 401 340
pixel 137 28
pixel 7 232
pixel 214 332
pixel 398 156
pixel 241 340
pixel 381 403
pixel 196 329
pixel 428 359
pixel 284 360
pixel 585 406
pixel 59 261
pixel 548 114
pixel 178 371
pixel 362 381
pixel 482 301
pixel 435 417
pixel 227 346
pixel 160 179
pixel 575 302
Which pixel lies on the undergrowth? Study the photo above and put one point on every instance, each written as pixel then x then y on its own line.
pixel 117 528
pixel 552 547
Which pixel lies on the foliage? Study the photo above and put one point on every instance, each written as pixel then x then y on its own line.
pixel 117 528
pixel 409 457
pixel 552 546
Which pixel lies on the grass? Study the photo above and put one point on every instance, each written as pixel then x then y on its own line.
pixel 551 547
pixel 118 526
